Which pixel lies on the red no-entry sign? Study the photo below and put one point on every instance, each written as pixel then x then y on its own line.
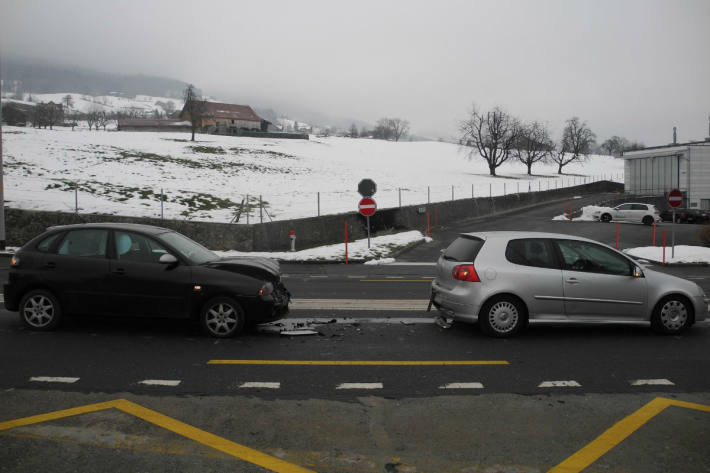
pixel 367 206
pixel 675 198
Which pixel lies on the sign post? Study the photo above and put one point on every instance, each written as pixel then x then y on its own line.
pixel 367 206
pixel 675 198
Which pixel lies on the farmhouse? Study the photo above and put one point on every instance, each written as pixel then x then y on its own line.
pixel 682 166
pixel 228 119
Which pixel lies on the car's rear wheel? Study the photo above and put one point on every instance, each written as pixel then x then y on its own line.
pixel 647 220
pixel 502 317
pixel 40 310
pixel 672 314
pixel 605 218
pixel 222 317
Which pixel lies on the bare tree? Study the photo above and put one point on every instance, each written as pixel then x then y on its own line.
pixel 492 135
pixel 353 131
pixel 101 120
pixel 534 144
pixel 92 117
pixel 576 143
pixel 399 127
pixel 68 101
pixel 195 108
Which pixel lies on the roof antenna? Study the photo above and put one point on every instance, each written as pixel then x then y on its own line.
pixel 675 141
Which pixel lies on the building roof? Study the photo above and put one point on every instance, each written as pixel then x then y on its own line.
pixel 231 111
pixel 670 146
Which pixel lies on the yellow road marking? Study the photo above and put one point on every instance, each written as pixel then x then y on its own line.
pixel 358 363
pixel 618 432
pixel 396 280
pixel 168 423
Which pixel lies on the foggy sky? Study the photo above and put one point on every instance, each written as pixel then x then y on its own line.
pixel 630 68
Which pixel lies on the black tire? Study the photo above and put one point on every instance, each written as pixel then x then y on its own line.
pixel 40 310
pixel 647 220
pixel 606 218
pixel 222 317
pixel 502 316
pixel 672 315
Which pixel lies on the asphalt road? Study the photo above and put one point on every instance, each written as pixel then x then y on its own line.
pixel 377 388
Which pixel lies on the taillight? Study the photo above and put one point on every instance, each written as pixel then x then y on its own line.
pixel 465 272
pixel 14 261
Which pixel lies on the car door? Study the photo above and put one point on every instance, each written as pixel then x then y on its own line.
pixel 77 271
pixel 623 212
pixel 599 284
pixel 537 277
pixel 639 211
pixel 142 285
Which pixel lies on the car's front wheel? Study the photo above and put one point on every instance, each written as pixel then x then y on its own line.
pixel 502 317
pixel 222 317
pixel 672 315
pixel 605 218
pixel 40 310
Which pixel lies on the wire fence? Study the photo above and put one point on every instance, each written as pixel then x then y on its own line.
pixel 184 204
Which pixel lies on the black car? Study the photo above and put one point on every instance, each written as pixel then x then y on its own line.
pixel 140 270
pixel 686 215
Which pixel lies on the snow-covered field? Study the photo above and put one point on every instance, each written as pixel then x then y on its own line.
pixel 123 173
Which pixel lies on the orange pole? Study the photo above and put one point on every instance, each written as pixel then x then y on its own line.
pixel 617 235
pixel 664 247
pixel 428 232
pixel 654 233
pixel 346 242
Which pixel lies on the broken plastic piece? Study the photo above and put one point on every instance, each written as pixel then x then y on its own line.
pixel 444 322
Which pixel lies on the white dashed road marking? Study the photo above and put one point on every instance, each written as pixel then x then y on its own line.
pixel 262 385
pixel 359 304
pixel 359 386
pixel 651 382
pixel 559 384
pixel 160 382
pixel 53 379
pixel 462 386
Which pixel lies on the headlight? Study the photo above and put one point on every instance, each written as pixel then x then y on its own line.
pixel 266 289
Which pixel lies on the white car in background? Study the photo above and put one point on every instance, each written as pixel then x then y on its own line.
pixel 629 212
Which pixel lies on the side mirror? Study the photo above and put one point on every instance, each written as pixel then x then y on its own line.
pixel 637 272
pixel 167 258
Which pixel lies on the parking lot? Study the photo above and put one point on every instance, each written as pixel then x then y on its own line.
pixel 377 387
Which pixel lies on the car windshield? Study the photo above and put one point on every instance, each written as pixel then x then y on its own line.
pixel 190 250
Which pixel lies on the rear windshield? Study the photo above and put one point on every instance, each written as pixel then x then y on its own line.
pixel 464 249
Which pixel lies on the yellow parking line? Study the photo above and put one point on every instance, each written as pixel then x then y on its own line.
pixel 395 280
pixel 168 423
pixel 618 432
pixel 358 363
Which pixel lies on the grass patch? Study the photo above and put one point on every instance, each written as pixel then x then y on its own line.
pixel 207 149
pixel 262 152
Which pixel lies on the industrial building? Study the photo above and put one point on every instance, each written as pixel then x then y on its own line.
pixel 660 169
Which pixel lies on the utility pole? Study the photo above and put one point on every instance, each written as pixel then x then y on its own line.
pixel 2 173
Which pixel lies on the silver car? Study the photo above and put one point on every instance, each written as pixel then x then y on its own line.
pixel 505 279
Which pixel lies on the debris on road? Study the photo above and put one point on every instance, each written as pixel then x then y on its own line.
pixel 444 322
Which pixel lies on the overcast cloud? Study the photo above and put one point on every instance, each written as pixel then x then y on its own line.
pixel 632 68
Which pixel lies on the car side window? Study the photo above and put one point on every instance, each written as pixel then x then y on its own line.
pixel 530 252
pixel 591 258
pixel 45 245
pixel 84 243
pixel 138 248
pixel 624 207
pixel 638 207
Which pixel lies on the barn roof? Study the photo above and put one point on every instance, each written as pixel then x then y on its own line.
pixel 231 111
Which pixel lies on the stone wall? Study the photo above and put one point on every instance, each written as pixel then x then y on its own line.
pixel 21 225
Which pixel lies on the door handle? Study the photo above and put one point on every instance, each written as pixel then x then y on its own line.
pixel 119 271
pixel 572 281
